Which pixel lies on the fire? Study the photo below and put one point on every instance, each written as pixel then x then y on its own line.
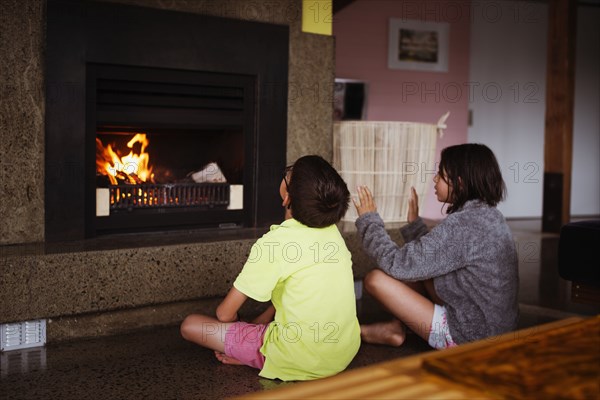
pixel 132 168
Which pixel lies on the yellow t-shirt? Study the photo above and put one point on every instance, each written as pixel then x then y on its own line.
pixel 307 274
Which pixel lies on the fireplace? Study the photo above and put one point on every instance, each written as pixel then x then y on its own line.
pixel 171 147
pixel 174 121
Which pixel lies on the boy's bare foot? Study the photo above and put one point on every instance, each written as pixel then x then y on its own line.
pixel 225 359
pixel 391 333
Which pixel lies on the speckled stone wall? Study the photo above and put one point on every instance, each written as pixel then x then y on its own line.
pixel 39 282
pixel 21 121
pixel 51 285
pixel 22 41
pixel 92 293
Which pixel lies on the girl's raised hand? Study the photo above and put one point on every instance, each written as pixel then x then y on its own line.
pixel 365 202
pixel 413 205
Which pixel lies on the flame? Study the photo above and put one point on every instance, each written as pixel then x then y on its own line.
pixel 132 168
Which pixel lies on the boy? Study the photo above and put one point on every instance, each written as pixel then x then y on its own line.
pixel 305 269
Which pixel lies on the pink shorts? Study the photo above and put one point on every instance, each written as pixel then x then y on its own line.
pixel 439 336
pixel 243 342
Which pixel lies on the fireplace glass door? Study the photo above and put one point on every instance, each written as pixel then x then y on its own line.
pixel 171 148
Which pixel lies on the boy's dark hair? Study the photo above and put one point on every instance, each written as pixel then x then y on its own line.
pixel 319 196
pixel 473 173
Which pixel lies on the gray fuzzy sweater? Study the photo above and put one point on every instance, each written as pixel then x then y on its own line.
pixel 471 257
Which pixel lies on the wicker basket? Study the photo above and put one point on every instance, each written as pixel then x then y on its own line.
pixel 389 158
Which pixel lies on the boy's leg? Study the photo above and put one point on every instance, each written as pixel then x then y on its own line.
pixel 205 331
pixel 225 359
pixel 410 307
pixel 235 343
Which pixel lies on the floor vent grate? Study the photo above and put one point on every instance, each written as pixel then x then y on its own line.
pixel 22 335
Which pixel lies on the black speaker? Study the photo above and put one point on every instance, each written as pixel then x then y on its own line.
pixel 349 100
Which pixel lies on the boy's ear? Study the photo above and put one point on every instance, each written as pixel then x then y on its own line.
pixel 286 200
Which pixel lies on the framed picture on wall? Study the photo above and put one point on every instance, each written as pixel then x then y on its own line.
pixel 418 45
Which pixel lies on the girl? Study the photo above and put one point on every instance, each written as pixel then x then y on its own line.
pixel 457 283
pixel 305 269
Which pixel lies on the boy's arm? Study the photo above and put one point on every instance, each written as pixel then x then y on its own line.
pixel 266 317
pixel 227 311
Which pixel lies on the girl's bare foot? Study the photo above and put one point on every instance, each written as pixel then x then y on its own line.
pixel 391 333
pixel 225 359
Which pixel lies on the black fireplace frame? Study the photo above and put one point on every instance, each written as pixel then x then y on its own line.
pixel 83 34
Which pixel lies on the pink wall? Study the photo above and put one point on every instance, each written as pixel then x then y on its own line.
pixel 361 33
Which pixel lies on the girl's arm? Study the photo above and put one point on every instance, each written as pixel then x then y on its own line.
pixel 227 311
pixel 429 256
pixel 416 227
pixel 413 206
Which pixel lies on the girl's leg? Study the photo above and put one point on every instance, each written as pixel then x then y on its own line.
pixel 410 307
pixel 205 331
pixel 426 289
pixel 392 333
pixel 431 293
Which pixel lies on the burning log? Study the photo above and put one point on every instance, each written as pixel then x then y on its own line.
pixel 131 184
pixel 132 168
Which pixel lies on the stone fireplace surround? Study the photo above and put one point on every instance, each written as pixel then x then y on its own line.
pixel 102 286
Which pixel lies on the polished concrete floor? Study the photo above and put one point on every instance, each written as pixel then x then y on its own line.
pixel 158 364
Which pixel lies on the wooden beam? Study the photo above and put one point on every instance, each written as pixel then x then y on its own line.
pixel 558 136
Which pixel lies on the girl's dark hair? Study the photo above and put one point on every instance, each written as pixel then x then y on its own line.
pixel 318 194
pixel 472 172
